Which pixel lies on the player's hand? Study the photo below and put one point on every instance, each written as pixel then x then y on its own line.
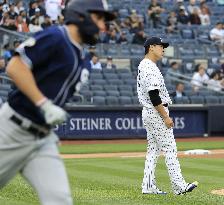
pixel 53 114
pixel 169 122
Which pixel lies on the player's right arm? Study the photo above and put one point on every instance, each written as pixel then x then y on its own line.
pixel 157 103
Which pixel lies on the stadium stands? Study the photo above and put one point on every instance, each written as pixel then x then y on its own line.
pixel 190 43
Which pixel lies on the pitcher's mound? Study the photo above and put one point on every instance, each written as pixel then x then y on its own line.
pixel 218 192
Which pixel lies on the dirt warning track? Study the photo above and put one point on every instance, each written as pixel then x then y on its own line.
pixel 212 154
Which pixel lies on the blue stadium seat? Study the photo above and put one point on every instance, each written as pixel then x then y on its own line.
pixel 197 99
pixel 221 99
pixel 96 87
pixel 94 71
pixel 110 87
pixel 130 81
pixel 204 92
pixel 111 76
pixel 98 100
pixel 95 75
pixel 187 34
pixel 99 81
pixel 135 100
pixel 125 75
pixel 112 100
pixel 125 87
pixel 99 93
pixel 126 93
pixel 123 70
pixel 211 100
pixel 181 100
pixel 125 100
pixel 87 95
pixel 113 93
pixel 115 81
pixel 105 70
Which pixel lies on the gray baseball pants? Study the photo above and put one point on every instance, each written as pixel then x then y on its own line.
pixel 160 138
pixel 37 160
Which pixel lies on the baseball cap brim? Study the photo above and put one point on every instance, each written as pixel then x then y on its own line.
pixel 165 45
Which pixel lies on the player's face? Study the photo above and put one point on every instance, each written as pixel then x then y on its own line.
pixel 99 20
pixel 159 51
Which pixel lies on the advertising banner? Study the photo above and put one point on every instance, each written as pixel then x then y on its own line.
pixel 126 124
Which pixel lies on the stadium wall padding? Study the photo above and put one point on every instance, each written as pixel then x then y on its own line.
pixel 92 122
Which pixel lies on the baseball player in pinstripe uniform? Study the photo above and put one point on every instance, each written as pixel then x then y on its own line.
pixel 45 70
pixel 154 98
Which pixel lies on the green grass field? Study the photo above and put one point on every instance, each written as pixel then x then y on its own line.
pixel 116 181
pixel 109 148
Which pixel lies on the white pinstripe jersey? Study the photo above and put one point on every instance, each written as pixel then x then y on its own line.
pixel 150 78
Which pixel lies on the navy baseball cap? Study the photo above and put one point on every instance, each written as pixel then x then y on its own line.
pixel 155 41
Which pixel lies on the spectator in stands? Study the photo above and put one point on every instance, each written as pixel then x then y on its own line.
pixel 222 71
pixel 220 2
pixel 21 25
pixel 179 92
pixel 192 7
pixel 199 78
pixel 7 54
pixel 8 23
pixel 111 37
pixel 32 7
pixel 204 17
pixel 204 6
pixel 19 6
pixel 194 17
pixel 126 23
pixel 178 5
pixel 95 63
pixel 122 39
pixel 25 17
pixel 38 16
pixel 154 11
pixel 12 13
pixel 16 43
pixel 172 23
pixel 2 65
pixel 1 11
pixel 139 38
pixel 53 9
pixel 217 35
pixel 5 5
pixel 174 67
pixel 88 56
pixel 182 17
pixel 41 6
pixel 34 26
pixel 109 64
pixel 214 83
pixel 47 22
pixel 60 20
pixel 173 70
pixel 135 22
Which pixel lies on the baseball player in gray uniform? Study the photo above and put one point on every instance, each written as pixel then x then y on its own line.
pixel 45 69
pixel 154 98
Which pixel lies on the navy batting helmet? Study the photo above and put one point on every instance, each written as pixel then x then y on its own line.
pixel 76 8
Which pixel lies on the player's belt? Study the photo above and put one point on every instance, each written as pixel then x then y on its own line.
pixel 32 128
pixel 165 105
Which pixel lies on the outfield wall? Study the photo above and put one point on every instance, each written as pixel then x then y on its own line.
pixel 90 122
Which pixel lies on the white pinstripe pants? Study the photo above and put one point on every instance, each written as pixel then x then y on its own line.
pixel 160 138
